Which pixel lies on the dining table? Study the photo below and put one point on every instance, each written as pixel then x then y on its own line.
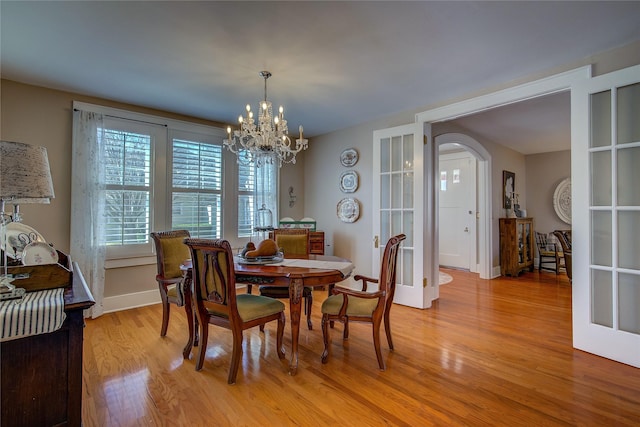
pixel 293 273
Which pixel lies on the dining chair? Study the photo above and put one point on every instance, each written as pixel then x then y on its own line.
pixel 170 253
pixel 293 242
pixel 549 257
pixel 350 305
pixel 564 237
pixel 216 302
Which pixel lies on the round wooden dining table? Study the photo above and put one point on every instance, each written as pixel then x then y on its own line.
pixel 293 277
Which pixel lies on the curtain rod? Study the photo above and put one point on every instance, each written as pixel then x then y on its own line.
pixel 126 118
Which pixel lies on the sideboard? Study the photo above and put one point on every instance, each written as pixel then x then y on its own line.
pixel 41 375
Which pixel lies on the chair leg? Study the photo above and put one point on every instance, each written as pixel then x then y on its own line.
pixel 249 288
pixel 308 303
pixel 345 334
pixel 387 329
pixel 236 355
pixel 280 335
pixel 165 316
pixel 325 338
pixel 376 344
pixel 204 336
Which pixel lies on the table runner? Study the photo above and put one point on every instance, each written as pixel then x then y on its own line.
pixel 343 267
pixel 37 313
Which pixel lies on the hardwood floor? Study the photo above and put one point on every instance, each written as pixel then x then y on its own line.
pixel 490 352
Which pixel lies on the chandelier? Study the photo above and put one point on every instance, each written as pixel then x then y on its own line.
pixel 267 140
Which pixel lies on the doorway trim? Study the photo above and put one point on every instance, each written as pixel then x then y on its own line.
pixel 546 86
pixel 483 158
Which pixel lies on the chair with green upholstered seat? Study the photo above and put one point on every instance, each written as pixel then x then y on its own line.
pixel 216 302
pixel 170 253
pixel 350 305
pixel 293 242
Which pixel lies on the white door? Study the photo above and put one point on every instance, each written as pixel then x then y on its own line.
pixel 606 215
pixel 398 207
pixel 457 208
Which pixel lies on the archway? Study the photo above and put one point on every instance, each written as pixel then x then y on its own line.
pixel 484 239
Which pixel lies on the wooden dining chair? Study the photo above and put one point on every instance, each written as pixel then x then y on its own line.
pixel 548 254
pixel 564 237
pixel 350 305
pixel 170 253
pixel 293 242
pixel 216 302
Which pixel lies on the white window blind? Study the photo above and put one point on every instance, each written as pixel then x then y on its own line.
pixel 196 195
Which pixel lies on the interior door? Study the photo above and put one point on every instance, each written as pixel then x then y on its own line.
pixel 456 210
pixel 606 215
pixel 398 207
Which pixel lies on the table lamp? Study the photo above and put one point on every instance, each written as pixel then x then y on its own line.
pixel 25 177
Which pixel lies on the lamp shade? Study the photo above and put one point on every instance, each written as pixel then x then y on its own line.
pixel 25 176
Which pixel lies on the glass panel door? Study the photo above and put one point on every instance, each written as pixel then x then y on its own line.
pixel 606 232
pixel 398 207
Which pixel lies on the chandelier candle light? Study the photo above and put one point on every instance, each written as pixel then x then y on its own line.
pixel 266 141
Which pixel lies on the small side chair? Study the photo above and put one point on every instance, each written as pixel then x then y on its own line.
pixel 549 257
pixel 170 253
pixel 349 305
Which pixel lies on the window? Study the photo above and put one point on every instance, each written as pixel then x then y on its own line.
pixel 163 174
pixel 196 194
pixel 128 171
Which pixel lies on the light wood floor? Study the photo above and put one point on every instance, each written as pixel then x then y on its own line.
pixel 490 352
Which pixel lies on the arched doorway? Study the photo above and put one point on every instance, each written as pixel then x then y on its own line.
pixel 483 212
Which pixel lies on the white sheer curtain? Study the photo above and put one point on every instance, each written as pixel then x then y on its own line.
pixel 266 189
pixel 88 204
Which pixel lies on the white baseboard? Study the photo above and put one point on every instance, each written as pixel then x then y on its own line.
pixel 127 301
pixel 495 272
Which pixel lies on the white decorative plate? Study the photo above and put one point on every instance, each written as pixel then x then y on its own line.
pixel 37 253
pixel 349 181
pixel 348 209
pixel 349 157
pixel 562 200
pixel 18 235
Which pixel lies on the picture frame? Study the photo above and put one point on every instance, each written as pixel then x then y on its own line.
pixel 508 188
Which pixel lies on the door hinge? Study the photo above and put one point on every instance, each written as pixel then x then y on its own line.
pixel 424 282
pixel 375 242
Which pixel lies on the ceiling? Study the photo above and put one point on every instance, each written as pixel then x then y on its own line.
pixel 334 64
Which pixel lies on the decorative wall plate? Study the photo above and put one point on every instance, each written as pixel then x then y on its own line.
pixel 562 200
pixel 349 181
pixel 18 235
pixel 349 157
pixel 348 209
pixel 37 253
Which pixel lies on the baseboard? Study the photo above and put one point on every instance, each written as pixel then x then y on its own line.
pixel 127 301
pixel 495 272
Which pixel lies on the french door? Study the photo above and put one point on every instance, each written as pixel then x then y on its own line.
pixel 399 207
pixel 606 215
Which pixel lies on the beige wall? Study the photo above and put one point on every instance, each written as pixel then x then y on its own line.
pixel 544 173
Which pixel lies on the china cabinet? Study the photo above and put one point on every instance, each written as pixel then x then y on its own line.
pixel 516 245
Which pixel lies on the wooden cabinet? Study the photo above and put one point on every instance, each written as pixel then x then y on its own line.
pixel 41 375
pixel 316 240
pixel 516 245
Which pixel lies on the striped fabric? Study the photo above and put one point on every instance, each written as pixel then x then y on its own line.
pixel 37 313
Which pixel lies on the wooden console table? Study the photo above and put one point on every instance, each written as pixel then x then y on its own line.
pixel 41 375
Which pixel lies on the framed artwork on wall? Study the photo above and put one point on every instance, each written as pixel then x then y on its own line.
pixel 508 188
